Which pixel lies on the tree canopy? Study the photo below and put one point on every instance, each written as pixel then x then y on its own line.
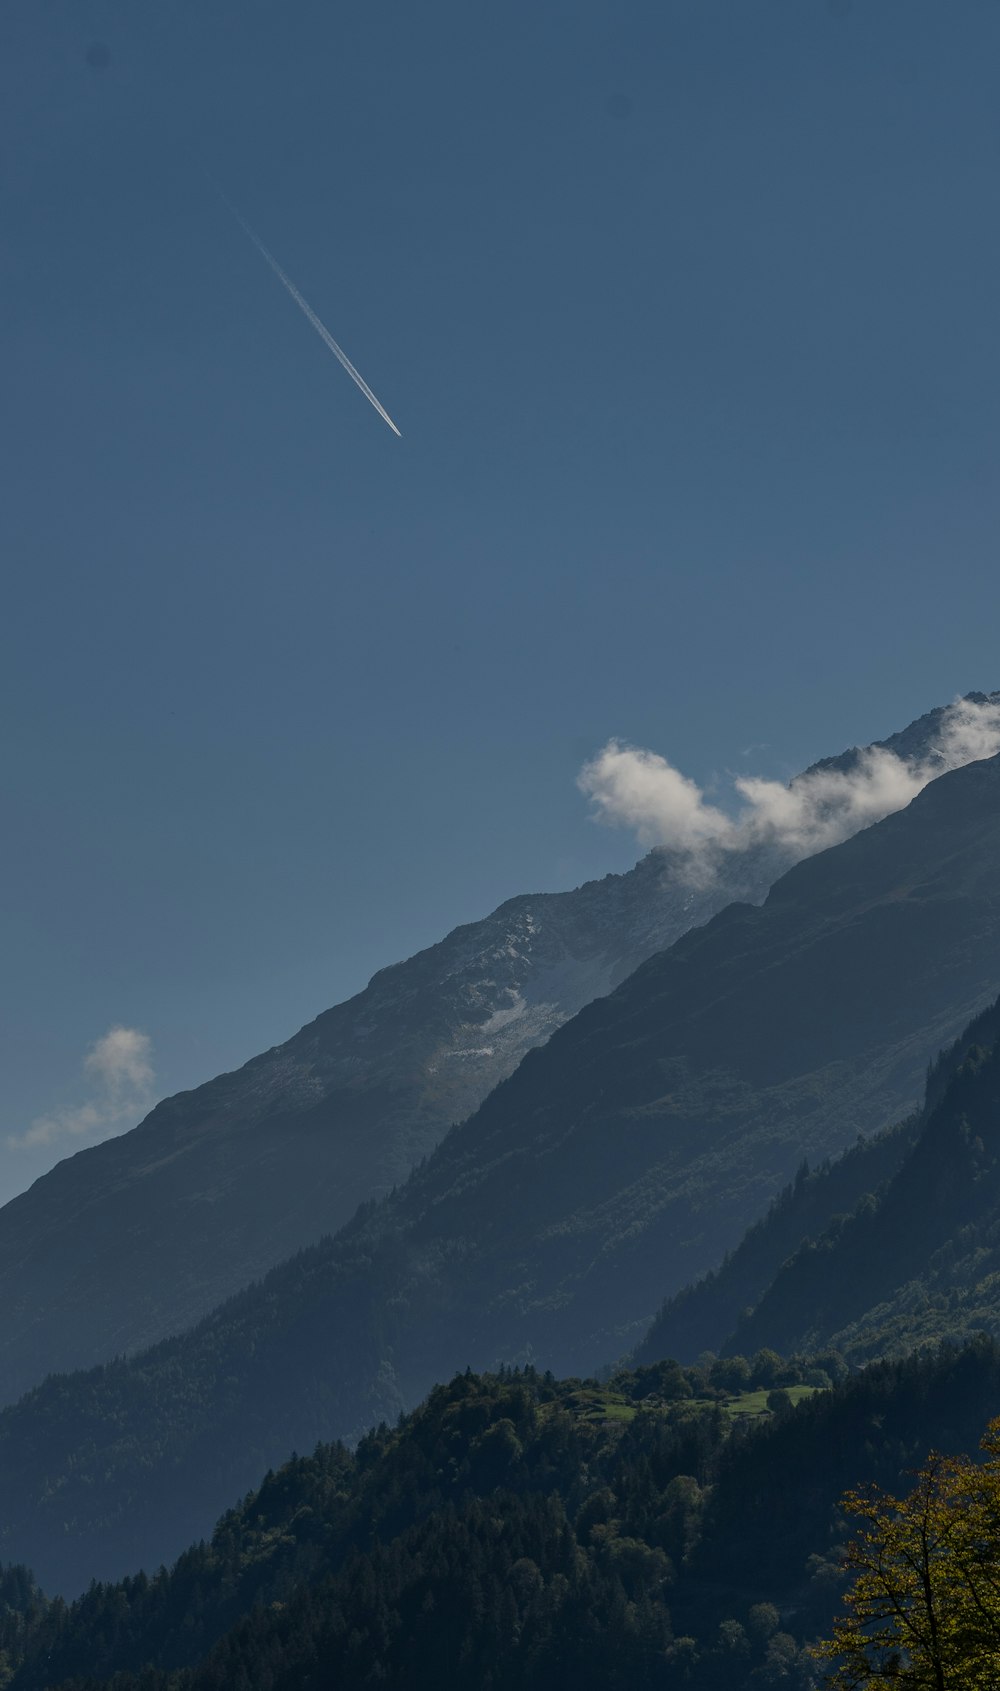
pixel 923 1608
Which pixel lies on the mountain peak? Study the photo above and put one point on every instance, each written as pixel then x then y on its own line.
pixel 224 1181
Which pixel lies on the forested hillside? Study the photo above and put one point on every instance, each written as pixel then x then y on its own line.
pixel 627 1155
pixel 920 1259
pixel 519 1531
pixel 704 1316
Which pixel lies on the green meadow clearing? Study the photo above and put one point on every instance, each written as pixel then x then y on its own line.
pixel 602 1404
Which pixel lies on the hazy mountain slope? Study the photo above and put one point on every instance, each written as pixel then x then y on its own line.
pixel 619 1161
pixel 703 1316
pixel 920 1259
pixel 138 1237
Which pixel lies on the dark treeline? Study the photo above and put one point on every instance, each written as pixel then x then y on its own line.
pixel 519 1531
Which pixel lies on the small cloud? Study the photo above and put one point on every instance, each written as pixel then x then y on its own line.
pixel 121 1060
pixel 119 1066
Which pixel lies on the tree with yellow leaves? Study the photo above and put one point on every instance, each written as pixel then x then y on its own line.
pixel 924 1603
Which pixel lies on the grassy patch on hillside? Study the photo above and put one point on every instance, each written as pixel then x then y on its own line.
pixel 755 1403
pixel 597 1404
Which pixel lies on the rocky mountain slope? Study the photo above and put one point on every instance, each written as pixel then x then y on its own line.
pixel 618 1162
pixel 139 1237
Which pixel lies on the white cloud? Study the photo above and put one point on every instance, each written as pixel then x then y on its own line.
pixel 120 1068
pixel 639 789
pixel 121 1061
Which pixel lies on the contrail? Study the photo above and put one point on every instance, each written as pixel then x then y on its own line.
pixel 308 312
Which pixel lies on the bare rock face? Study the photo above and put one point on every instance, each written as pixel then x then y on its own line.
pixel 139 1237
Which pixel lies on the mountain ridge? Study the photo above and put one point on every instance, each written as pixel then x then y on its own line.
pixel 616 1162
pixel 141 1236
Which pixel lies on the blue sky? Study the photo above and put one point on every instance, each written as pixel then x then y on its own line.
pixel 687 314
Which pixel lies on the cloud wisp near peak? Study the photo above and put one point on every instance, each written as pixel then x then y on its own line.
pixel 119 1070
pixel 632 787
